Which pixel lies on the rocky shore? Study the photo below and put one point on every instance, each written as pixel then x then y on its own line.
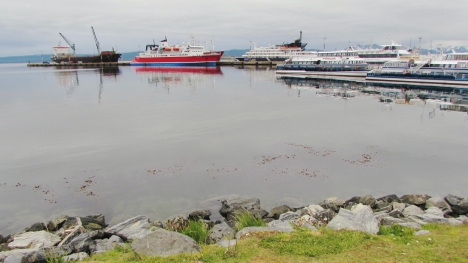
pixel 76 237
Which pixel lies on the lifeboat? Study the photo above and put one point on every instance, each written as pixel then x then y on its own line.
pixel 175 48
pixel 167 49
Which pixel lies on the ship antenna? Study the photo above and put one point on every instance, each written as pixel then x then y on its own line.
pixel 300 36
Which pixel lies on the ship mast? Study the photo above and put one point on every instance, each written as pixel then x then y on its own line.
pixel 72 46
pixel 97 43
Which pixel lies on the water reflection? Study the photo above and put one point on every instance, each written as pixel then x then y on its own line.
pixel 172 76
pixel 69 78
pixel 445 99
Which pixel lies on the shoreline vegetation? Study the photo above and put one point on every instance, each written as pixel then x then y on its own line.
pixel 363 228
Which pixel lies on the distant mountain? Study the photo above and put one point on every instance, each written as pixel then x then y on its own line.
pixel 235 52
pixel 26 59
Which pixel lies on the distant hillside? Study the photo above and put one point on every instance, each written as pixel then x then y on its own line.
pixel 26 59
pixel 235 52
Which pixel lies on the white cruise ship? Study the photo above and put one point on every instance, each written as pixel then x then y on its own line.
pixel 392 52
pixel 278 52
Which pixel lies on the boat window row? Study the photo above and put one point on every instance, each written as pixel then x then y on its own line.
pixel 378 55
pixel 457 56
pixel 326 62
pixel 337 54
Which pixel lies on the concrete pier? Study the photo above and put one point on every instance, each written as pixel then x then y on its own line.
pixel 94 65
pixel 127 63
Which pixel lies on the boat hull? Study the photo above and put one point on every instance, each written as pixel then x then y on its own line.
pixel 396 78
pixel 88 59
pixel 174 61
pixel 325 73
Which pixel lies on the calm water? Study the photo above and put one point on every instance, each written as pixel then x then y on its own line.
pixel 132 141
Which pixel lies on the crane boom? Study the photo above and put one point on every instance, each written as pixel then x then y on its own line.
pixel 97 43
pixel 72 46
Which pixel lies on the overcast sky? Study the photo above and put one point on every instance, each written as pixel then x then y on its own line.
pixel 30 27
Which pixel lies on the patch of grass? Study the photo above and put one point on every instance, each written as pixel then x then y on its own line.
pixel 197 230
pixel 309 243
pixel 445 244
pixel 399 233
pixel 245 219
pixel 432 226
pixel 121 254
pixel 53 257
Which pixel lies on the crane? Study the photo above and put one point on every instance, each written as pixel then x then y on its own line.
pixel 72 46
pixel 97 43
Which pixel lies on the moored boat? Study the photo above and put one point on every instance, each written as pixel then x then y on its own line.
pixel 190 54
pixel 278 52
pixel 324 66
pixel 66 54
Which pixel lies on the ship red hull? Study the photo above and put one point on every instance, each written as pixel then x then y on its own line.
pixel 207 59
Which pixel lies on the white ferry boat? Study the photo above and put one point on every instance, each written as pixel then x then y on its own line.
pixel 278 52
pixel 450 71
pixel 392 52
pixel 325 66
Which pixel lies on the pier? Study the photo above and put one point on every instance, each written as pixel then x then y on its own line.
pixel 127 63
pixel 93 65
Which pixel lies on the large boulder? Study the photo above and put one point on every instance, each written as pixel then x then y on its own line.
pixel 348 204
pixel 452 199
pixel 133 228
pixel 417 200
pixel 368 200
pixel 161 242
pixel 360 218
pixel 461 208
pixel 313 210
pixel 412 210
pixel 36 227
pixel 438 201
pixel 332 203
pixel 389 199
pixel 23 255
pixel 85 241
pixel 93 222
pixel 103 245
pixel 233 206
pixel 39 239
pixel 277 211
pixel 220 232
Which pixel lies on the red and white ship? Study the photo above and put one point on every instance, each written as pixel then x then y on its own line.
pixel 190 54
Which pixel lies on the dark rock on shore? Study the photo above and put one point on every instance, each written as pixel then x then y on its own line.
pixel 389 199
pixel 417 200
pixel 332 203
pixel 277 211
pixel 233 206
pixel 200 214
pixel 133 228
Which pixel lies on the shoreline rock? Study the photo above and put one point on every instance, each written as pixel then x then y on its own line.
pixel 79 237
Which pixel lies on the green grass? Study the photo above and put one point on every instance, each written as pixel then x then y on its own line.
pixel 444 244
pixel 246 219
pixel 197 230
pixel 310 244
pixel 399 233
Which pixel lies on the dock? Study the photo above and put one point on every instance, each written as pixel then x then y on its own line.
pixel 91 65
pixel 127 63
